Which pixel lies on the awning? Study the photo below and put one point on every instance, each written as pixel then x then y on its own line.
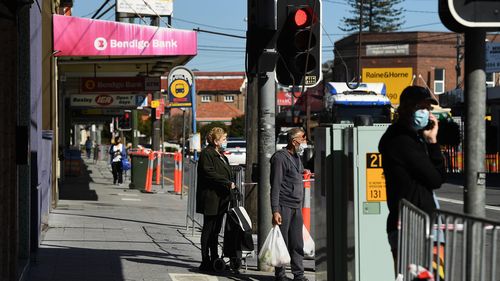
pixel 88 47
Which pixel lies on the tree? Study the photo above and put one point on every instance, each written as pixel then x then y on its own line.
pixel 378 16
pixel 237 128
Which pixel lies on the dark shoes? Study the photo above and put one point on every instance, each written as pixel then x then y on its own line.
pixel 281 278
pixel 206 267
pixel 303 278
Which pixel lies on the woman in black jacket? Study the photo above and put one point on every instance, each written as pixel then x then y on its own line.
pixel 412 160
pixel 215 179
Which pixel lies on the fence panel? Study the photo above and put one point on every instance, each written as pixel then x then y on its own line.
pixel 451 246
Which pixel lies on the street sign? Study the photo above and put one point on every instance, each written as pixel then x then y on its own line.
pixel 180 83
pixel 119 84
pixel 492 57
pixel 458 15
pixel 107 100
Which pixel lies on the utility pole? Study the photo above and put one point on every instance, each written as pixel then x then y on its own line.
pixel 475 110
pixel 475 140
pixel 155 123
pixel 261 48
pixel 124 17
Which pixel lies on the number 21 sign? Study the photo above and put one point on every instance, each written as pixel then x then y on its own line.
pixel 375 180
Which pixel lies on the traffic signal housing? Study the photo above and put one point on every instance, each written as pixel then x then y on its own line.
pixel 124 122
pixel 299 43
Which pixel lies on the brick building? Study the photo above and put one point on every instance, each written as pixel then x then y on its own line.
pixel 430 56
pixel 220 96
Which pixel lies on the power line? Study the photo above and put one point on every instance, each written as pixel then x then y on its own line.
pixel 207 25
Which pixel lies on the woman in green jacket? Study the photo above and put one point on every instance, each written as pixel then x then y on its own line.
pixel 215 179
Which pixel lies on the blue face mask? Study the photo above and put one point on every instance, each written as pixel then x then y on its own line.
pixel 223 145
pixel 420 119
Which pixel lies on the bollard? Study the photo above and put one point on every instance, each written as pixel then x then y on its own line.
pixel 158 167
pixel 306 208
pixel 149 173
pixel 177 173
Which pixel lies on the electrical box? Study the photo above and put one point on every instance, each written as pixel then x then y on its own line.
pixel 349 205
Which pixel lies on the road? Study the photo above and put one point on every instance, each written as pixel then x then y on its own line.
pixel 450 195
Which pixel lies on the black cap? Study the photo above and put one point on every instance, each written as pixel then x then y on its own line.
pixel 412 95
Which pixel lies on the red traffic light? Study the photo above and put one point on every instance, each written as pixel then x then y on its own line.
pixel 300 17
pixel 126 116
pixel 304 17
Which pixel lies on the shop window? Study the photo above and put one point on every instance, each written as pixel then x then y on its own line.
pixel 439 81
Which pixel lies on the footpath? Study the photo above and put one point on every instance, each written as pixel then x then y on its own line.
pixel 103 232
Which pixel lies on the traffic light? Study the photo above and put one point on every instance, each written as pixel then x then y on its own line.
pixel 124 123
pixel 299 42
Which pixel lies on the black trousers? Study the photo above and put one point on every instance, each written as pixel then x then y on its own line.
pixel 210 237
pixel 117 170
pixel 291 228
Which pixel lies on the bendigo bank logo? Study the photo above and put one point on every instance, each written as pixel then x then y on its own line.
pixel 100 43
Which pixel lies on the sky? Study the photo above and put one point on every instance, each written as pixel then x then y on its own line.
pixel 223 53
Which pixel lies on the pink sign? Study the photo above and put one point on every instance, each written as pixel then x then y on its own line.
pixel 86 37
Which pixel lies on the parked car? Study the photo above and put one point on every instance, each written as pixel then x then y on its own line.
pixel 236 151
pixel 281 141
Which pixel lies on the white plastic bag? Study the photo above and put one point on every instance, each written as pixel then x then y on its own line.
pixel 274 251
pixel 309 246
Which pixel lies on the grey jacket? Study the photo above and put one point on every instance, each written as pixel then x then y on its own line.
pixel 287 188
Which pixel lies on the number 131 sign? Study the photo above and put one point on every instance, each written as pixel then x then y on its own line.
pixel 375 180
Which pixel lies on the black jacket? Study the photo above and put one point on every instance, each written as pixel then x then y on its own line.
pixel 213 183
pixel 412 170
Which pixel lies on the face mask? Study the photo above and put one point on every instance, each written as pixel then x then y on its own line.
pixel 300 149
pixel 223 145
pixel 420 119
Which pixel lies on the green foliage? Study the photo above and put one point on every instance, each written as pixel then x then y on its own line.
pixel 378 16
pixel 173 127
pixel 206 128
pixel 144 127
pixel 237 128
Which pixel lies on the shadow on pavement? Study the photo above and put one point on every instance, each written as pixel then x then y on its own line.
pixel 78 187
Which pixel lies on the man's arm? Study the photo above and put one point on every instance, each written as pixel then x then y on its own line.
pixel 277 174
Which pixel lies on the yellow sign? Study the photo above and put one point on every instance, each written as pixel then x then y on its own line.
pixel 179 88
pixel 375 180
pixel 395 79
pixel 155 103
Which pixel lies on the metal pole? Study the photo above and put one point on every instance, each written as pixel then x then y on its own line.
pixel 475 106
pixel 163 150
pixel 266 148
pixel 193 114
pixel 183 149
pixel 265 20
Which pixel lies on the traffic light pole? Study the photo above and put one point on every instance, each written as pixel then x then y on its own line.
pixel 264 22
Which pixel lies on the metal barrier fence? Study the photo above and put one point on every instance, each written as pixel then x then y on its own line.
pixel 190 174
pixel 454 160
pixel 451 246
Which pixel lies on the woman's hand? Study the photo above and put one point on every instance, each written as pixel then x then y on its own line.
pixel 232 185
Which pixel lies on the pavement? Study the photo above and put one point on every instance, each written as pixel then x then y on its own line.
pixel 103 232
